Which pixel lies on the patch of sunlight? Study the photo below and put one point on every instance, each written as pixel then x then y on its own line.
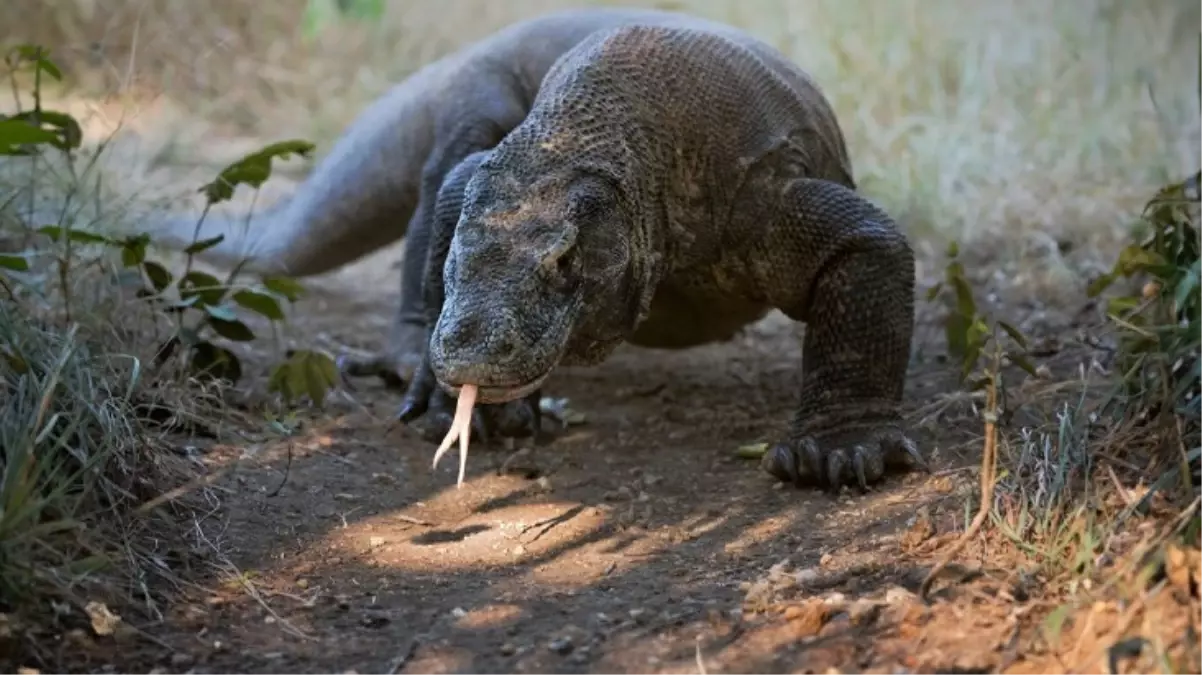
pixel 489 616
pixel 755 535
pixel 414 539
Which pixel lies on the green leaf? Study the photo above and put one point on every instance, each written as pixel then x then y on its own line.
pixel 16 263
pixel 1100 284
pixel 1121 306
pixel 1023 362
pixel 953 249
pixel 40 57
pixel 65 132
pixel 16 132
pixel 956 333
pixel 305 372
pixel 159 277
pixel 232 330
pixel 1014 333
pixel 133 250
pixel 204 244
pixel 1135 259
pixel 319 378
pixel 933 291
pixel 78 236
pixel 1187 286
pixel 211 289
pixel 752 451
pixel 253 169
pixel 1053 624
pixel 289 288
pixel 222 312
pixel 217 362
pixel 965 303
pixel 261 303
pixel 279 381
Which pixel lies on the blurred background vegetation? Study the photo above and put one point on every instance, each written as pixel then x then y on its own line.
pixel 1026 119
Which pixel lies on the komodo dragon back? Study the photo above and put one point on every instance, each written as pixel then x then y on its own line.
pixel 363 194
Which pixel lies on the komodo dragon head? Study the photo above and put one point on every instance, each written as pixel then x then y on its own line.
pixel 547 266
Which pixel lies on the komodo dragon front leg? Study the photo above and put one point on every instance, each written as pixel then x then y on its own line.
pixel 479 127
pixel 856 295
pixel 515 419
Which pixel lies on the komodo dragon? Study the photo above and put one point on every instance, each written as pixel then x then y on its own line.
pixel 378 180
pixel 668 187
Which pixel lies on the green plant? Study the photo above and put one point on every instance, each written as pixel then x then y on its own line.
pixel 200 305
pixel 970 333
pixel 1160 328
pixel 76 443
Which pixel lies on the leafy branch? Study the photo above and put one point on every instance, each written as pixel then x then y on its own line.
pixel 203 308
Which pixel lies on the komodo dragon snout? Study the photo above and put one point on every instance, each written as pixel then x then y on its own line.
pixel 535 279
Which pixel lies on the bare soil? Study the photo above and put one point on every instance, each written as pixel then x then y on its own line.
pixel 637 541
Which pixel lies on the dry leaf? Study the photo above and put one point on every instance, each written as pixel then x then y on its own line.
pixel 104 621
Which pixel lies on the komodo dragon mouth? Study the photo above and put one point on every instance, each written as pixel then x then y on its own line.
pixel 461 425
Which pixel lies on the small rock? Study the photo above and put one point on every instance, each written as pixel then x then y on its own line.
pixel 508 649
pixel 863 612
pixel 302 583
pixel 180 659
pixel 835 599
pixel 458 612
pixel 376 542
pixel 792 612
pixel 825 560
pixel 561 645
pixel 638 614
pixel 807 576
pixel 897 595
pixel 374 620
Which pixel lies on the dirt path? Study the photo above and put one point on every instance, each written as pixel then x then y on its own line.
pixel 625 545
pixel 635 542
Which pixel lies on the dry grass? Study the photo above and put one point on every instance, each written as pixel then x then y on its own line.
pixel 966 119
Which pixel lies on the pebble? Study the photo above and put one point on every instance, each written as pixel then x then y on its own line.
pixel 508 649
pixel 897 595
pixel 561 645
pixel 806 576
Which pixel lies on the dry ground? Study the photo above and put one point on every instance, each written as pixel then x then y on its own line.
pixel 638 541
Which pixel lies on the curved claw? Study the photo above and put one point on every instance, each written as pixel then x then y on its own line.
pixel 835 459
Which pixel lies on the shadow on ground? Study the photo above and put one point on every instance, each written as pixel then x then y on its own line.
pixel 627 544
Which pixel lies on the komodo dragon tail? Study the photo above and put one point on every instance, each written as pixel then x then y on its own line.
pixel 359 198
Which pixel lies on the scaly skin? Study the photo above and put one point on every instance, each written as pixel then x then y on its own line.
pixel 669 187
pixel 380 180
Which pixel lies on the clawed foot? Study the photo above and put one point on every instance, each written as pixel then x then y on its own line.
pixel 837 458
pixel 425 399
pixel 394 365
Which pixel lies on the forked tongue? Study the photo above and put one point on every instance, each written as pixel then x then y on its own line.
pixel 461 428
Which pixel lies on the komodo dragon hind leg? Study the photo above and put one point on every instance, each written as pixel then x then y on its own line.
pixel 859 311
